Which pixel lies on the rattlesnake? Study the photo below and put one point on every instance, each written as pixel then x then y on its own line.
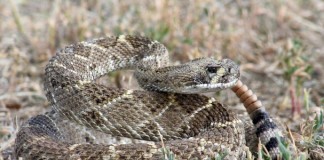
pixel 169 109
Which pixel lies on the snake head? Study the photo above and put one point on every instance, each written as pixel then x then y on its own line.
pixel 197 76
pixel 209 75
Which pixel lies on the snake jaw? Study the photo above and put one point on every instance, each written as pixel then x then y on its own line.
pixel 200 88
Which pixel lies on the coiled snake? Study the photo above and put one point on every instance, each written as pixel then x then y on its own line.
pixel 170 108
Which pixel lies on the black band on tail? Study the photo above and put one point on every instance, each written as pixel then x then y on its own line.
pixel 265 130
pixel 273 143
pixel 258 116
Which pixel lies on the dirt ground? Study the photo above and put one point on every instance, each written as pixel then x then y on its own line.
pixel 279 45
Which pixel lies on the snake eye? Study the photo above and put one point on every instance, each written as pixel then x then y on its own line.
pixel 212 69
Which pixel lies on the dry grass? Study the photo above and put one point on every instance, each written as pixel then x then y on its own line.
pixel 278 43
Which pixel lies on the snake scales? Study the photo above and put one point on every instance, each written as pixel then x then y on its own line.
pixel 170 108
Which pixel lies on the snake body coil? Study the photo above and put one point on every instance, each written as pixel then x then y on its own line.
pixel 191 125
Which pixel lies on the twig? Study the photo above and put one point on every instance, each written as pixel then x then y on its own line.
pixel 16 17
pixel 306 23
pixel 21 94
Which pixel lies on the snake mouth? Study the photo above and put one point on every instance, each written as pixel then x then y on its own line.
pixel 201 88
